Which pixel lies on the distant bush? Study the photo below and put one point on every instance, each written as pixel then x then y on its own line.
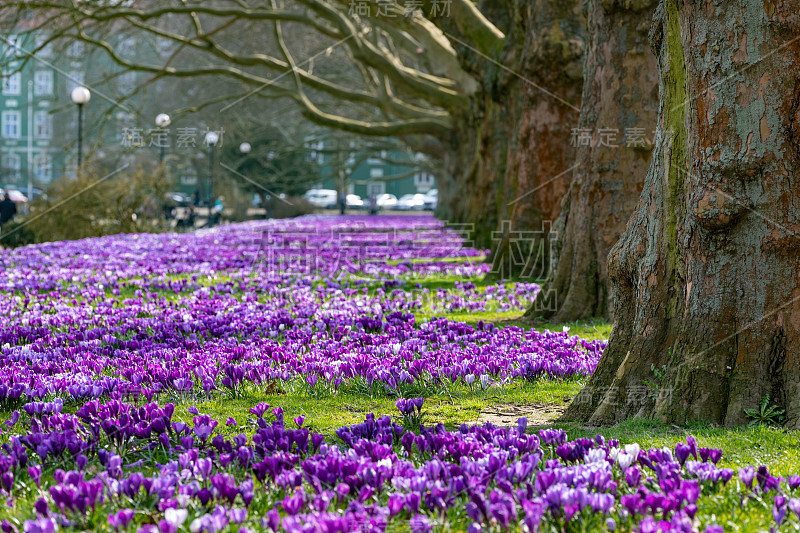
pixel 92 205
pixel 16 233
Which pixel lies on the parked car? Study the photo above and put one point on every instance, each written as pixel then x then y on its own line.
pixel 387 201
pixel 411 202
pixel 179 199
pixel 37 192
pixel 16 196
pixel 323 198
pixel 354 201
pixel 431 199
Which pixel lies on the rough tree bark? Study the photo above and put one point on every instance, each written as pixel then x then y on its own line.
pixel 707 275
pixel 618 110
pixel 516 135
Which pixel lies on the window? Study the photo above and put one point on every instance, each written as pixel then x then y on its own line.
pixel 74 79
pixel 12 83
pixel 127 82
pixel 45 50
pixel 43 82
pixel 316 154
pixel 377 188
pixel 12 43
pixel 12 164
pixel 44 167
pixel 10 124
pixel 189 176
pixel 423 180
pixel 376 173
pixel 42 125
pixel 127 47
pixel 164 45
pixel 76 50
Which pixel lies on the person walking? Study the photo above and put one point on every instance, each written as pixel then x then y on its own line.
pixel 219 208
pixel 7 209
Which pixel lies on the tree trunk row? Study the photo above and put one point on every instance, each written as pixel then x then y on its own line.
pixel 614 141
pixel 516 135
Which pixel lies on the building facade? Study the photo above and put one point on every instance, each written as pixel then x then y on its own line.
pixel 31 92
pixel 372 173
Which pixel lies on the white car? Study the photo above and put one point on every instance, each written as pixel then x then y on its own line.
pixel 16 196
pixel 387 201
pixel 411 202
pixel 322 198
pixel 354 201
pixel 431 199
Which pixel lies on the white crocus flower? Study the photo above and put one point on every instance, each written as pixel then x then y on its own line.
pixel 595 456
pixel 633 450
pixel 175 517
pixel 613 453
pixel 625 460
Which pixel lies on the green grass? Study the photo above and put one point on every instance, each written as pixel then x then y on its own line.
pixel 327 413
pixel 590 329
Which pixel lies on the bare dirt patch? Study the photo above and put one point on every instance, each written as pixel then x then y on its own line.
pixel 538 414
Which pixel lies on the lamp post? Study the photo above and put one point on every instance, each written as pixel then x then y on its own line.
pixel 80 95
pixel 30 141
pixel 211 140
pixel 162 121
pixel 244 149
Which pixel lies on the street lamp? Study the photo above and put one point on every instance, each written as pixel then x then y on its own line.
pixel 80 95
pixel 162 121
pixel 211 140
pixel 245 148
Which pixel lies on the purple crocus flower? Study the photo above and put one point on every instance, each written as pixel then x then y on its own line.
pixel 260 409
pixel 292 504
pixel 42 508
pixel 419 524
pixel 794 506
pixel 747 475
pixel 682 452
pixel 396 504
pixel 692 443
pixel 779 509
pixel 40 525
pixel 238 515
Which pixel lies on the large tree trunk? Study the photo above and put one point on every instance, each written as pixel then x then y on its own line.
pixel 476 161
pixel 707 275
pixel 618 112
pixel 516 135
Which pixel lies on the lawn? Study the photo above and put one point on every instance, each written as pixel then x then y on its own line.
pixel 247 378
